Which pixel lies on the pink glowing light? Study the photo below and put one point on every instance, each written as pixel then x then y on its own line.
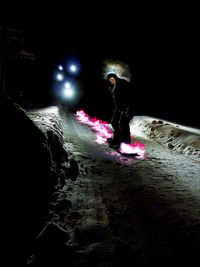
pixel 136 148
pixel 99 127
pixel 102 132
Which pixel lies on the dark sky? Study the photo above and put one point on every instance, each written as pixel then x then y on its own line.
pixel 163 56
pixel 90 46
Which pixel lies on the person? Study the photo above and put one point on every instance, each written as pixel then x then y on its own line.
pixel 123 109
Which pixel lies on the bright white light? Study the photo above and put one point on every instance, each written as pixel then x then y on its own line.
pixel 59 77
pixel 60 67
pixel 73 68
pixel 68 92
pixel 67 85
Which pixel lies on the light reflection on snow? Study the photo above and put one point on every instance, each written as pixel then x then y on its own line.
pixel 133 148
pixel 100 128
pixel 102 132
pixel 51 109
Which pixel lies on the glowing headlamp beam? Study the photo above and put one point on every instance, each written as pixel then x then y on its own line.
pixel 68 92
pixel 73 68
pixel 67 85
pixel 59 77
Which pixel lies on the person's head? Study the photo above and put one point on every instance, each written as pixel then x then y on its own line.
pixel 112 78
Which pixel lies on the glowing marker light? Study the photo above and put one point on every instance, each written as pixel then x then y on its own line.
pixel 102 132
pixel 133 148
pixel 60 67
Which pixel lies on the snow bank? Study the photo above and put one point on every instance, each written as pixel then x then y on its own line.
pixel 178 138
pixel 49 121
pixel 28 178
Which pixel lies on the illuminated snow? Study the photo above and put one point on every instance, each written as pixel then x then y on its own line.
pixel 102 132
pixel 100 128
pixel 133 148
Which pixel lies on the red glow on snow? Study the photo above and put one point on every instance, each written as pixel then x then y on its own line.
pixel 133 148
pixel 102 132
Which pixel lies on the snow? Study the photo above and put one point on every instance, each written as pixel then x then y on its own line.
pixel 48 120
pixel 179 138
pixel 103 132
pixel 148 207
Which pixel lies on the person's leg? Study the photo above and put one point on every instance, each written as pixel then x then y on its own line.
pixel 125 134
pixel 115 125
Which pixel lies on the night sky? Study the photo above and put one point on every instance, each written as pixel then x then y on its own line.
pixel 162 57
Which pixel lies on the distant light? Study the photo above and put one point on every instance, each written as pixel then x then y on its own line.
pixel 73 68
pixel 67 85
pixel 59 77
pixel 60 67
pixel 68 92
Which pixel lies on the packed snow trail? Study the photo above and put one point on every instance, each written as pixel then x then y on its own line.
pixel 103 132
pixel 145 211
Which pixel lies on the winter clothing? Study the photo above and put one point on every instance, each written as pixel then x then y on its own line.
pixel 123 112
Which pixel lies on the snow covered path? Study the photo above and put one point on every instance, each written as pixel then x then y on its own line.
pixel 144 211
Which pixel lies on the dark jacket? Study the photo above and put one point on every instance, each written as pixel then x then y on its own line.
pixel 123 96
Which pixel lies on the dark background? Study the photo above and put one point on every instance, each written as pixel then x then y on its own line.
pixel 162 55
